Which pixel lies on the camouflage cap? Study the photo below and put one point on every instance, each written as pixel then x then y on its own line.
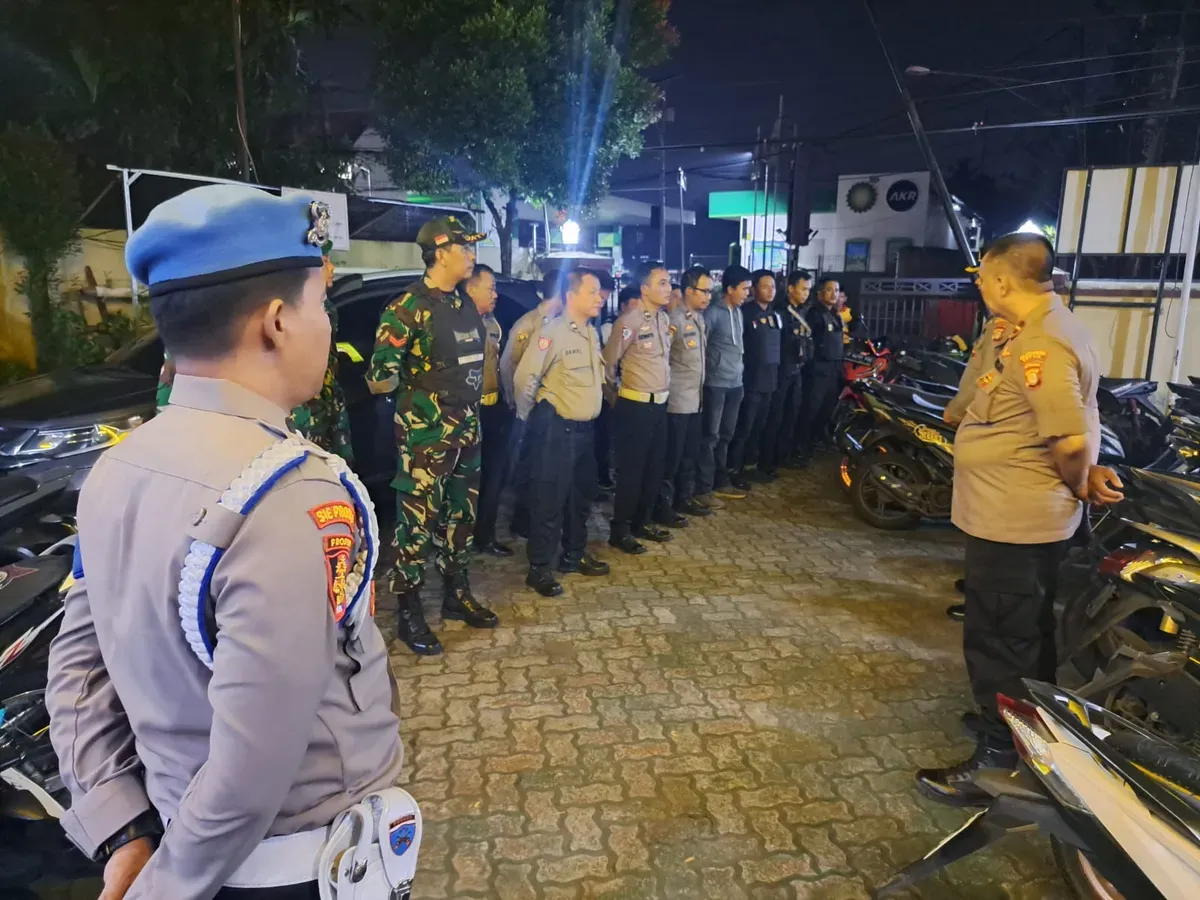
pixel 443 231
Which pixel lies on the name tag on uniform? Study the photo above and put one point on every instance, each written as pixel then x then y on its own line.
pixel 466 337
pixel 572 351
pixel 645 335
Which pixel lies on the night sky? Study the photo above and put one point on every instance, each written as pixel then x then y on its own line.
pixel 737 56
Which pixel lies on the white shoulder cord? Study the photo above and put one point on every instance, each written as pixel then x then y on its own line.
pixel 241 497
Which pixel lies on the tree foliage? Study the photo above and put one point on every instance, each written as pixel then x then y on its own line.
pixel 538 99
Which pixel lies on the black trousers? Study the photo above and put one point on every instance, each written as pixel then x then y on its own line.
pixel 495 422
pixel 821 384
pixel 306 891
pixel 779 435
pixel 603 430
pixel 746 439
pixel 564 479
pixel 718 416
pixel 519 451
pixel 1008 632
pixel 640 432
pixel 679 467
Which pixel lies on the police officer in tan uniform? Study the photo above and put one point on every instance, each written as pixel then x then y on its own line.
pixel 218 668
pixel 495 416
pixel 1025 457
pixel 640 347
pixel 688 359
pixel 523 333
pixel 559 387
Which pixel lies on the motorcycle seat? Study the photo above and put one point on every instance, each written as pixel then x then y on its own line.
pixel 1160 757
pixel 1128 387
pixel 22 583
pixel 14 487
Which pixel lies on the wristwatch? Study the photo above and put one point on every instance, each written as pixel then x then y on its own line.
pixel 146 825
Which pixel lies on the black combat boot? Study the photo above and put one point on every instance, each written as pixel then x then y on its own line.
pixel 956 611
pixel 955 785
pixel 459 603
pixel 411 626
pixel 542 580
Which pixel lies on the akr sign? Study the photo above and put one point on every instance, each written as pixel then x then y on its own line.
pixel 903 195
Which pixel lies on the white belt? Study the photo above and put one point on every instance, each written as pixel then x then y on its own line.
pixel 280 861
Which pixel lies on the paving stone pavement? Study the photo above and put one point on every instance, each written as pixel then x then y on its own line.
pixel 736 714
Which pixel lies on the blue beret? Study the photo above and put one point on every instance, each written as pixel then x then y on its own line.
pixel 224 232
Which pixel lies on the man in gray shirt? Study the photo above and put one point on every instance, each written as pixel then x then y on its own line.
pixel 218 667
pixel 722 389
pixel 683 405
pixel 559 387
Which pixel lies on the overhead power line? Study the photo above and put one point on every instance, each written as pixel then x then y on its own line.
pixel 1049 82
pixel 1087 59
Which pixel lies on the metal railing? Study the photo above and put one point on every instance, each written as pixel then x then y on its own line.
pixel 914 311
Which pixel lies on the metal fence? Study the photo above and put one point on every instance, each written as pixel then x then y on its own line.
pixel 915 311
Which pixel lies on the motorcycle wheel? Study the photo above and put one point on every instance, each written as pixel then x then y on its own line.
pixel 846 472
pixel 872 505
pixel 1085 882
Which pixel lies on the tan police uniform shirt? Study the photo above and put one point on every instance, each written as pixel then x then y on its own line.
pixel 991 341
pixel 523 331
pixel 491 354
pixel 686 331
pixel 641 346
pixel 1041 386
pixel 564 368
pixel 293 724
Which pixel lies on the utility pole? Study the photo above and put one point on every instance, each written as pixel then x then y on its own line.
pixel 667 115
pixel 914 119
pixel 682 254
pixel 244 141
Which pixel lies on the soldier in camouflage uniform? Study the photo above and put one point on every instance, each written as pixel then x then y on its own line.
pixel 324 419
pixel 429 354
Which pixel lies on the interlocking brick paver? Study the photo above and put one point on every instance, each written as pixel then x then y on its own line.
pixel 735 714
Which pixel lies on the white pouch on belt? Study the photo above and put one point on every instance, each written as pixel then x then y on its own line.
pixel 372 849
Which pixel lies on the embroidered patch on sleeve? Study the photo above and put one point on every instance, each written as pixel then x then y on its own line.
pixel 522 336
pixel 398 342
pixel 673 330
pixel 338 548
pixel 998 334
pixel 543 343
pixel 987 379
pixel 625 334
pixel 1033 356
pixel 337 512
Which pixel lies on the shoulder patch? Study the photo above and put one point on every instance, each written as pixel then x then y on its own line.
pixel 998 333
pixel 337 566
pixel 673 329
pixel 987 379
pixel 626 334
pixel 337 512
pixel 543 343
pixel 521 336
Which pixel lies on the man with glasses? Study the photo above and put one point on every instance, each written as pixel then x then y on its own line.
pixel 688 337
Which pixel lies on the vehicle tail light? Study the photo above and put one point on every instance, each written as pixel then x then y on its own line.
pixel 1033 740
pixel 1125 562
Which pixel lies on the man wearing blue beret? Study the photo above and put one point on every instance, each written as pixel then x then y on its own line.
pixel 218 666
pixel 429 356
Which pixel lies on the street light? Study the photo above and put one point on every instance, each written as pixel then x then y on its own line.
pixel 570 232
pixel 998 80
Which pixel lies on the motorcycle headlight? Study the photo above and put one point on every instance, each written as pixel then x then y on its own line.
pixel 55 443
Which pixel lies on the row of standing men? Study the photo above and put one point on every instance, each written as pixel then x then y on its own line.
pixel 699 396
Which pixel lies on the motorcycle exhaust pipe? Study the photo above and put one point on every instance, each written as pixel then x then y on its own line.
pixel 892 486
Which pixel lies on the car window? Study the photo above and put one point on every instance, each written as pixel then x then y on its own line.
pixel 144 355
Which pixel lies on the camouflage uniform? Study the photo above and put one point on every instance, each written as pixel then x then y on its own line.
pixel 438 385
pixel 323 420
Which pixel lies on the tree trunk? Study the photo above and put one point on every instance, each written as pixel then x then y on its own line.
pixel 41 313
pixel 504 229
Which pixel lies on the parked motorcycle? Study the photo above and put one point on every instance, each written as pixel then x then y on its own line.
pixel 1118 802
pixel 34 515
pixel 1127 407
pixel 31 608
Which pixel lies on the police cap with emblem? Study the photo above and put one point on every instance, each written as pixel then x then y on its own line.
pixel 225 232
pixel 443 231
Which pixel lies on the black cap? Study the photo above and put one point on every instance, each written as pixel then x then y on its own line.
pixel 443 231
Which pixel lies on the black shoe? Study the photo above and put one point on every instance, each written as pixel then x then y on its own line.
pixel 459 603
pixel 585 564
pixel 961 585
pixel 626 544
pixel 972 725
pixel 412 628
pixel 671 519
pixel 692 508
pixel 652 533
pixel 494 548
pixel 739 481
pixel 542 580
pixel 955 785
pixel 763 476
pixel 956 612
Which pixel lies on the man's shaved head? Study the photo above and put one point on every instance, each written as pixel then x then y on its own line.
pixel 1027 258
